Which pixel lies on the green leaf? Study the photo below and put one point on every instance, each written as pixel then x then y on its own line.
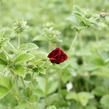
pixel 99 91
pixel 84 97
pixel 23 57
pixel 104 74
pixel 19 70
pixel 90 107
pixel 3 58
pixel 53 98
pixel 5 85
pixel 66 75
pixel 98 61
pixel 72 96
pixel 105 101
pixel 3 61
pixel 52 86
pixel 2 68
pixel 40 38
pixel 41 83
pixel 51 107
pixel 28 46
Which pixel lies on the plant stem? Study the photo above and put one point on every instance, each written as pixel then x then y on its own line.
pixel 22 81
pixel 18 41
pixel 80 41
pixel 5 52
pixel 59 89
pixel 73 41
pixel 46 87
pixel 12 46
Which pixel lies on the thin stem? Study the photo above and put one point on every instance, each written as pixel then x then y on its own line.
pixel 6 52
pixel 12 46
pixel 46 89
pixel 46 86
pixel 18 41
pixel 22 81
pixel 73 41
pixel 80 41
pixel 59 89
pixel 16 85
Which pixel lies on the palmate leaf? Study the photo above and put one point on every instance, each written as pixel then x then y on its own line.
pixel 5 85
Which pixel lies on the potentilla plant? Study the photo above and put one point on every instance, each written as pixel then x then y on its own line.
pixel 25 70
pixel 41 74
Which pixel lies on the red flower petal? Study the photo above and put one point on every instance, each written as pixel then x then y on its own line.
pixel 57 56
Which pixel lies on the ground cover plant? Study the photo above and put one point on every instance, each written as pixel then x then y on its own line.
pixel 54 54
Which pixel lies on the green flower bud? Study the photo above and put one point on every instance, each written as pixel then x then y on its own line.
pixel 20 26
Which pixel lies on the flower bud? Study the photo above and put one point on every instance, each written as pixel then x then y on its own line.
pixel 20 26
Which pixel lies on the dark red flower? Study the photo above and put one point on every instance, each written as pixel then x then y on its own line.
pixel 57 56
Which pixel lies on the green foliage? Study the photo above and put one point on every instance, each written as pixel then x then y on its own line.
pixel 104 101
pixel 29 30
pixel 5 85
pixel 82 97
